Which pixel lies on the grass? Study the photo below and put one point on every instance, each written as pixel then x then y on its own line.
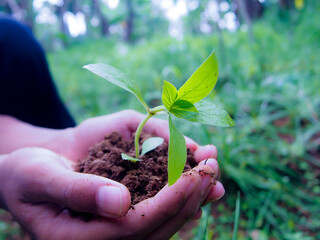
pixel 270 87
pixel 236 218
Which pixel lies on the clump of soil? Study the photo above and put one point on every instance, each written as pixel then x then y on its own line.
pixel 144 178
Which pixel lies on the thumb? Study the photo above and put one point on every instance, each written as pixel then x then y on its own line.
pixel 91 194
pixel 80 192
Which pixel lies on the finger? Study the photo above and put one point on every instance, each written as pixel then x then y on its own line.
pixel 198 215
pixel 37 220
pixel 216 193
pixel 191 144
pixel 150 214
pixel 80 192
pixel 213 164
pixel 217 190
pixel 90 194
pixel 187 193
pixel 189 210
pixel 204 152
pixel 50 221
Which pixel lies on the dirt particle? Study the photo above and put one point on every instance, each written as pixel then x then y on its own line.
pixel 144 179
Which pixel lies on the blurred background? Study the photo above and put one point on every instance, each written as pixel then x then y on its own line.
pixel 269 68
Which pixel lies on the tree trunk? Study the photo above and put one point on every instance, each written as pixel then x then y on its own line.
pixel 129 22
pixel 286 4
pixel 245 15
pixel 14 8
pixel 60 11
pixel 254 9
pixel 104 23
pixel 29 14
pixel 222 51
pixel 22 12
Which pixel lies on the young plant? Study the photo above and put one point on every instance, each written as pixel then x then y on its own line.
pixel 186 103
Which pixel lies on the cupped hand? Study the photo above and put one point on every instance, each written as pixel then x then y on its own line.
pixel 40 187
pixel 74 142
pixel 126 122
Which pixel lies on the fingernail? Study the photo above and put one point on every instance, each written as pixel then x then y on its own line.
pixel 221 192
pixel 211 162
pixel 109 200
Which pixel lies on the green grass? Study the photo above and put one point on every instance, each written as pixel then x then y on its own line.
pixel 270 87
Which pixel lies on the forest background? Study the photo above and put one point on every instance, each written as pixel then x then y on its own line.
pixel 269 68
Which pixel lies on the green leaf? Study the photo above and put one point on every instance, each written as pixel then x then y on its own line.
pixel 211 114
pixel 177 153
pixel 184 109
pixel 116 77
pixel 180 108
pixel 169 94
pixel 127 157
pixel 150 144
pixel 201 82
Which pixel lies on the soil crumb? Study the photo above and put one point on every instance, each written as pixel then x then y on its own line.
pixel 144 179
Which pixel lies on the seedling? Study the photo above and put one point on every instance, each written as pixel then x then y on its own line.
pixel 186 103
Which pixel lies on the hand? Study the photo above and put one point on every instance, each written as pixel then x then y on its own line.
pixel 38 186
pixel 126 122
pixel 75 142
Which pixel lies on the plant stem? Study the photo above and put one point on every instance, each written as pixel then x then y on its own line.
pixel 138 132
pixel 151 112
pixel 155 110
pixel 144 105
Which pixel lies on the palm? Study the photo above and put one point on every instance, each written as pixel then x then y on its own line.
pixel 93 130
pixel 47 187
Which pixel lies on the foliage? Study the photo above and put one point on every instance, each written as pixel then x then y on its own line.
pixel 177 102
pixel 271 90
pixel 150 144
pixel 270 87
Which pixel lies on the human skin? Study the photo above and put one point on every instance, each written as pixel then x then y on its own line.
pixel 38 184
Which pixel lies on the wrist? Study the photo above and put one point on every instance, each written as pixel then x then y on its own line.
pixel 17 134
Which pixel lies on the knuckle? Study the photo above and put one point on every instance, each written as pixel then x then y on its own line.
pixel 164 212
pixel 188 213
pixel 75 197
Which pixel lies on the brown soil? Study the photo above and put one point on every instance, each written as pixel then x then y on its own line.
pixel 144 178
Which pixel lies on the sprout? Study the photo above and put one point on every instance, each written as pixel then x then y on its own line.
pixel 186 103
